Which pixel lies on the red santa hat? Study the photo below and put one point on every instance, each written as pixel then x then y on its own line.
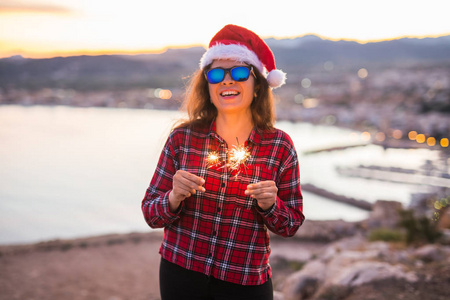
pixel 240 44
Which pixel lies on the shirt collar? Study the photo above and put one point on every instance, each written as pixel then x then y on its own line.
pixel 255 135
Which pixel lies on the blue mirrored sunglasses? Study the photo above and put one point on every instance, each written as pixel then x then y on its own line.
pixel 239 73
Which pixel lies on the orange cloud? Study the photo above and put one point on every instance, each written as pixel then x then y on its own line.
pixel 7 6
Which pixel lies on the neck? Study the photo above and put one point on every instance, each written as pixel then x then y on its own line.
pixel 234 127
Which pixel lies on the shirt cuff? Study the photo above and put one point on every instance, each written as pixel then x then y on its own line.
pixel 269 212
pixel 166 209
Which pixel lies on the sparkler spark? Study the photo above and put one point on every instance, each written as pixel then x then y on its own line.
pixel 213 159
pixel 238 157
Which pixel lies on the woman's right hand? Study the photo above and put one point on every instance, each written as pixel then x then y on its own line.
pixel 183 186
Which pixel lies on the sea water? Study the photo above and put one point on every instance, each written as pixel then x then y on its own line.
pixel 70 172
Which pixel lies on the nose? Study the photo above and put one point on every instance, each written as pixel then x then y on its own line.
pixel 227 79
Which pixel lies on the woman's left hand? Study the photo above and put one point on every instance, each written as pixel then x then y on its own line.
pixel 265 192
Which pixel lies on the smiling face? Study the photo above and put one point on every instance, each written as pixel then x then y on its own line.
pixel 230 96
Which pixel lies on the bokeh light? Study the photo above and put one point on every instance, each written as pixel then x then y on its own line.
pixel 380 136
pixel 328 66
pixel 329 120
pixel 163 94
pixel 306 83
pixel 363 73
pixel 397 134
pixel 299 98
pixel 431 141
pixel 412 135
pixel 366 136
pixel 420 138
pixel 310 102
pixel 354 136
pixel 444 142
pixel 156 92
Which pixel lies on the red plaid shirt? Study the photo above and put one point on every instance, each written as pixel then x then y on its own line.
pixel 222 232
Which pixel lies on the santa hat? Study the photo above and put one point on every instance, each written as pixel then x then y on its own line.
pixel 240 44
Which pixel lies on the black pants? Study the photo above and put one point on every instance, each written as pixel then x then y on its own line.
pixel 177 283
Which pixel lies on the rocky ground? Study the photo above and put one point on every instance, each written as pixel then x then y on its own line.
pixel 325 260
pixel 353 268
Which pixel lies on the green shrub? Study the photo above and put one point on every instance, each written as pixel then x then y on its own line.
pixel 386 235
pixel 420 229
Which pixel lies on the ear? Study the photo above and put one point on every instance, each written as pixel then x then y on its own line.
pixel 257 87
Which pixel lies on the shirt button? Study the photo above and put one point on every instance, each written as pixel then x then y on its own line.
pixel 223 184
pixel 214 233
pixel 218 209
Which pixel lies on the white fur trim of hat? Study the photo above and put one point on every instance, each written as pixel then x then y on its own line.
pixel 240 44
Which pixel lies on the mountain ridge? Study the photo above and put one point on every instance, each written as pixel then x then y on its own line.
pixel 170 68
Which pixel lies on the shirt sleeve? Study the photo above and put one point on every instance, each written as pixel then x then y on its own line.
pixel 286 215
pixel 155 205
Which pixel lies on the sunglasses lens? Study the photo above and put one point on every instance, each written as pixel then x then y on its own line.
pixel 240 73
pixel 215 75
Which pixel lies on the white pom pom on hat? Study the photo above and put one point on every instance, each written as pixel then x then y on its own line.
pixel 240 44
pixel 276 78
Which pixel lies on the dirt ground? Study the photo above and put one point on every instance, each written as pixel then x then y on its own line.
pixel 112 267
pixel 119 267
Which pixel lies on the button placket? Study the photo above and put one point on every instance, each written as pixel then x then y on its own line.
pixel 218 217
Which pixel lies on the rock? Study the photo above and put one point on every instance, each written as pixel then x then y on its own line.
pixel 303 288
pixel 354 260
pixel 352 243
pixel 304 283
pixel 326 231
pixel 367 271
pixel 429 253
pixel 445 237
pixel 444 219
pixel 384 214
pixel 345 264
pixel 278 295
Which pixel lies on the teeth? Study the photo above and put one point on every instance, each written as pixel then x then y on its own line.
pixel 229 93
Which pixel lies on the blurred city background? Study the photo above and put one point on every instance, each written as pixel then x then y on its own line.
pixel 86 109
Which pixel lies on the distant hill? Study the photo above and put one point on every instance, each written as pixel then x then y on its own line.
pixel 171 68
pixel 311 50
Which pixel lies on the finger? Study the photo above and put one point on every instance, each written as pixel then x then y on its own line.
pixel 192 181
pixel 260 191
pixel 182 191
pixel 265 197
pixel 191 177
pixel 265 189
pixel 260 196
pixel 180 181
pixel 181 185
pixel 261 184
pixel 183 180
pixel 185 188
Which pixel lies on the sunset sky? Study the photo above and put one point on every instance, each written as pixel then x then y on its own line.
pixel 46 28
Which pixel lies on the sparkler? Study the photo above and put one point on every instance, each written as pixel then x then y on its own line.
pixel 213 159
pixel 237 158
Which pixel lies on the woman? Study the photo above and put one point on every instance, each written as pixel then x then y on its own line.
pixel 225 177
